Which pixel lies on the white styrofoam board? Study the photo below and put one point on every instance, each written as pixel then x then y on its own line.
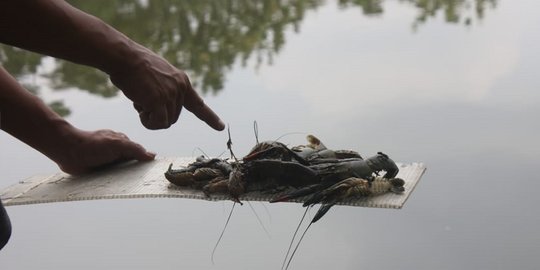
pixel 147 180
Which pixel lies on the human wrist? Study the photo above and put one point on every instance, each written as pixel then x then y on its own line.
pixel 52 135
pixel 124 56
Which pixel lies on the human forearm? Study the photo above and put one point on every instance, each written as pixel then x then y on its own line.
pixel 27 118
pixel 76 151
pixel 158 90
pixel 55 28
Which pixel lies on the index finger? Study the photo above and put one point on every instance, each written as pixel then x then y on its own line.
pixel 195 104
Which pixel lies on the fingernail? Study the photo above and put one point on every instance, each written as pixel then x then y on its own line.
pixel 221 125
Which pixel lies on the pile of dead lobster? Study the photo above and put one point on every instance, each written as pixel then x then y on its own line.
pixel 314 173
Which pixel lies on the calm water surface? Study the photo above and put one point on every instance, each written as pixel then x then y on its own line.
pixel 453 84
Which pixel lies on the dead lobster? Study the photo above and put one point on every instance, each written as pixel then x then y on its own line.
pixel 332 171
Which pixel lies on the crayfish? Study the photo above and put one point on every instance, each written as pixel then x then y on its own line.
pixel 317 174
pixel 272 166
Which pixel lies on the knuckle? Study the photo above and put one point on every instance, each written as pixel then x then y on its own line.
pixel 155 125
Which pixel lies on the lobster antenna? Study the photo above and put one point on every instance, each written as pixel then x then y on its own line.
pixel 222 232
pixel 221 153
pixel 258 219
pixel 229 143
pixel 297 245
pixel 256 130
pixel 200 150
pixel 294 236
pixel 290 133
pixel 267 212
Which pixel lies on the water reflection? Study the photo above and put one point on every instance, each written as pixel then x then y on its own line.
pixel 460 98
pixel 21 64
pixel 455 11
pixel 207 37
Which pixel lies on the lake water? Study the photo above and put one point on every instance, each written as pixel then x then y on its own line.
pixel 453 84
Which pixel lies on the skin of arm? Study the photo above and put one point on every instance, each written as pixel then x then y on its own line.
pixel 53 27
pixel 27 118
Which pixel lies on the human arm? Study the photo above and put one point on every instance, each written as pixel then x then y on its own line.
pixel 53 27
pixel 76 151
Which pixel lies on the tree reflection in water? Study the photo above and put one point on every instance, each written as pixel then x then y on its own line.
pixel 453 10
pixel 206 37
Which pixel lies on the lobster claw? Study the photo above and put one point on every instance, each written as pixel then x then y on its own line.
pixel 383 162
pixel 391 172
pixel 397 189
pixel 397 185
